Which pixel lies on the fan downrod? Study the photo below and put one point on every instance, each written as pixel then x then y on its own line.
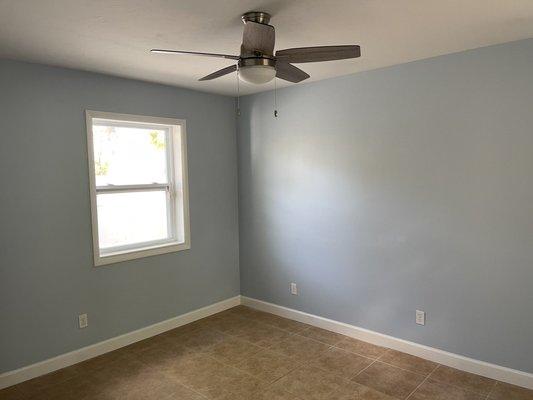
pixel 260 17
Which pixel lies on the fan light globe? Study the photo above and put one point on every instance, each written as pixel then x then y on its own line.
pixel 257 74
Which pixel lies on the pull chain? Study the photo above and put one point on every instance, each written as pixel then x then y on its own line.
pixel 238 96
pixel 275 99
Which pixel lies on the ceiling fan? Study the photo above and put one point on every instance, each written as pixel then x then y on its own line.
pixel 257 62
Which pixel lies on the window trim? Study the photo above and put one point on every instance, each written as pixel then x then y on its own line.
pixel 181 202
pixel 169 187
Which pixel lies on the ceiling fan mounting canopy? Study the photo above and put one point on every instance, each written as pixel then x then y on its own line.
pixel 260 17
pixel 257 62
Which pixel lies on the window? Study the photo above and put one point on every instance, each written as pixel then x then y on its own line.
pixel 138 184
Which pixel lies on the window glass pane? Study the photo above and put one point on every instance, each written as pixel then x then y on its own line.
pixel 132 217
pixel 126 155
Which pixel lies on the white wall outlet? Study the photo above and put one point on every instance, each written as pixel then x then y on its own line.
pixel 420 317
pixel 294 289
pixel 83 321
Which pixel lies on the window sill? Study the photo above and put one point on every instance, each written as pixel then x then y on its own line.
pixel 120 256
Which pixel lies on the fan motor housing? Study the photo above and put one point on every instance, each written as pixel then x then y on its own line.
pixel 248 62
pixel 260 17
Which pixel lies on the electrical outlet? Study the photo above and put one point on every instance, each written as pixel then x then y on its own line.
pixel 83 321
pixel 294 289
pixel 420 317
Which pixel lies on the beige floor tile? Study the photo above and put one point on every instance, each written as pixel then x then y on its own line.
pixel 505 391
pixel 246 312
pixel 462 379
pixel 11 393
pixel 341 362
pixel 158 353
pixel 201 324
pixel 55 378
pixel 299 348
pixel 268 393
pixel 390 380
pixel 96 364
pixel 150 386
pixel 124 374
pixel 163 359
pixel 251 313
pixel 238 325
pixel 227 323
pixel 181 393
pixel 260 334
pixel 138 347
pixel 283 323
pixel 144 384
pixel 267 365
pixel 272 393
pixel 63 391
pixel 322 335
pixel 366 393
pixel 355 391
pixel 311 383
pixel 233 350
pixel 245 354
pixel 231 382
pixel 193 366
pixel 360 347
pixel 202 377
pixel 409 362
pixel 142 345
pixel 198 341
pixel 433 390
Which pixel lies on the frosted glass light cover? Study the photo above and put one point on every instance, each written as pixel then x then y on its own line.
pixel 257 74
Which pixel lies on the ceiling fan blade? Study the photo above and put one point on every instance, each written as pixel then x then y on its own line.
pixel 318 53
pixel 257 39
pixel 195 53
pixel 219 73
pixel 290 73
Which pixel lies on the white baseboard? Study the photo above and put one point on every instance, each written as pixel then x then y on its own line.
pixel 489 370
pixel 64 360
pixel 463 363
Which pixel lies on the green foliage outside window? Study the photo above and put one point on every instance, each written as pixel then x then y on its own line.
pixel 157 139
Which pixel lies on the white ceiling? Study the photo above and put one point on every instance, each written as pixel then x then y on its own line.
pixel 114 36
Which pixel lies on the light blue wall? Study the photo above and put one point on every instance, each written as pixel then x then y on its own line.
pixel 378 193
pixel 409 187
pixel 46 271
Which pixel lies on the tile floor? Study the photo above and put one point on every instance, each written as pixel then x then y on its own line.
pixel 244 354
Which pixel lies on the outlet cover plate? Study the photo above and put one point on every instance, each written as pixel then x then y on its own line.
pixel 83 321
pixel 420 317
pixel 294 289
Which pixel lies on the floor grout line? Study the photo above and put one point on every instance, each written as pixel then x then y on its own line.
pixel 234 367
pixel 298 333
pixel 331 346
pixel 378 359
pixel 461 387
pixel 368 366
pixel 300 363
pixel 171 340
pixel 191 389
pixel 421 383
pixel 403 369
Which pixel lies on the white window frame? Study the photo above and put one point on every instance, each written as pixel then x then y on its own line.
pixel 177 187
